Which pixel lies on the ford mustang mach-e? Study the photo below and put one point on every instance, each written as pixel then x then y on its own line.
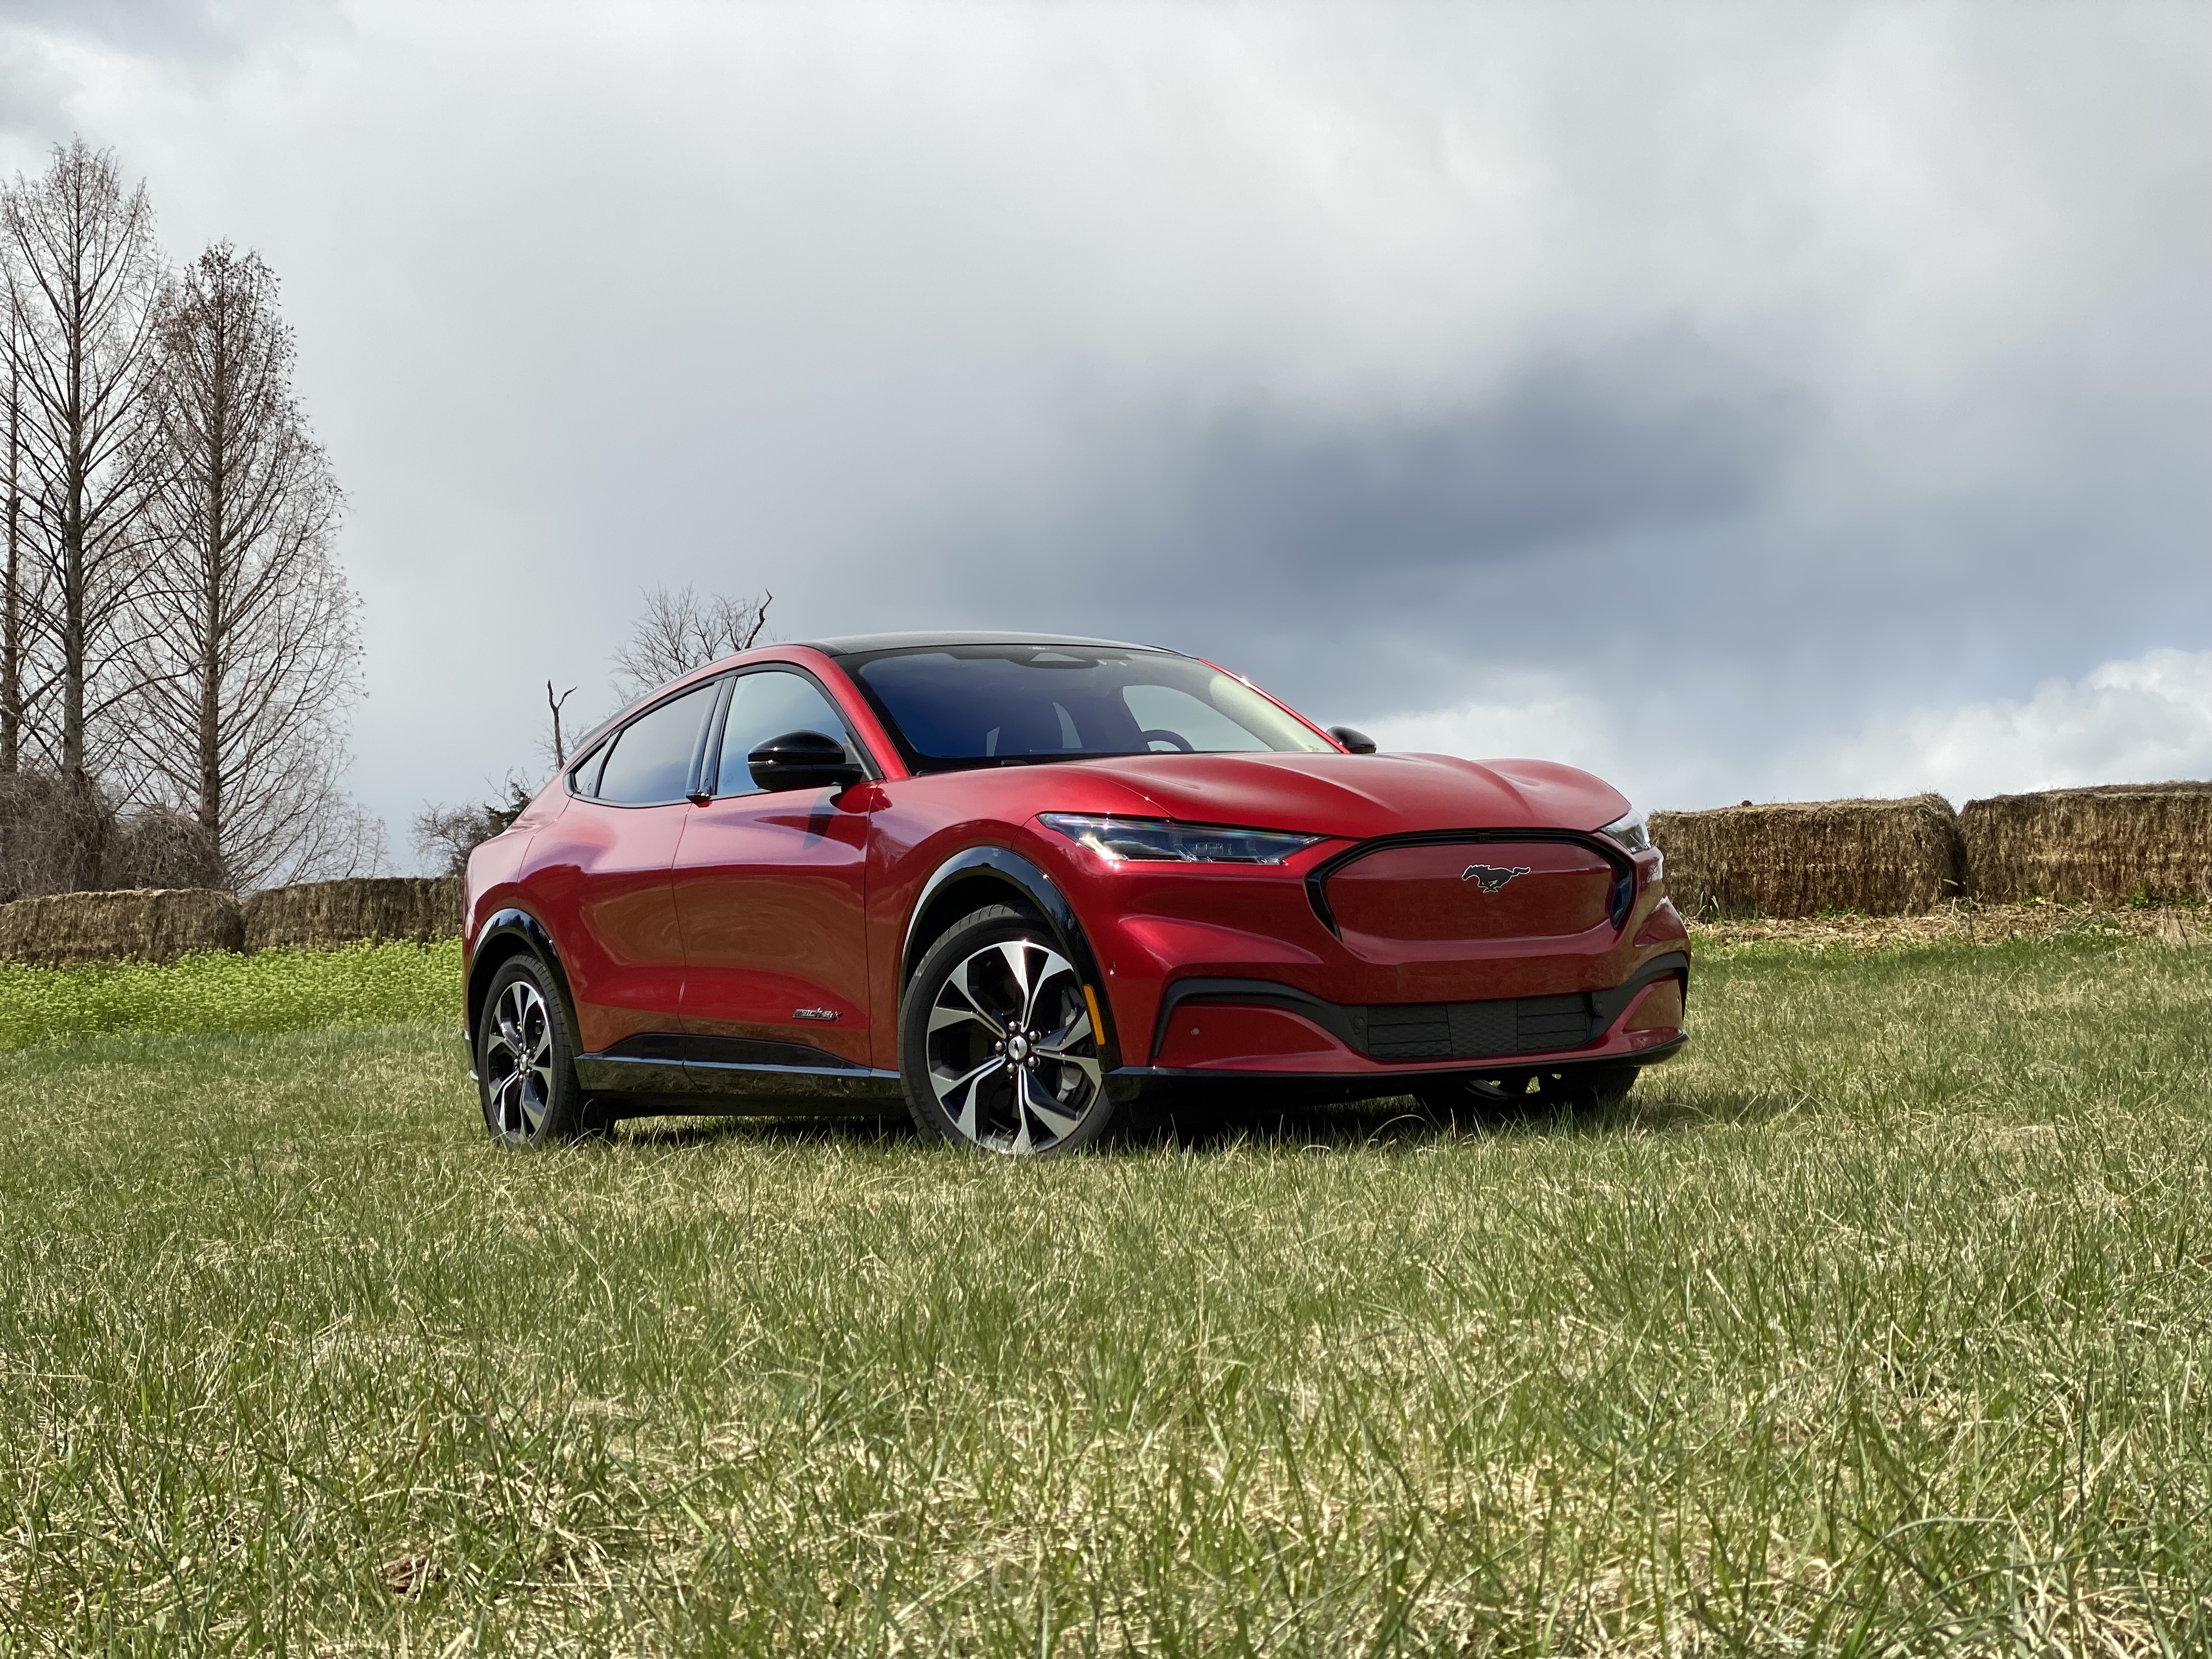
pixel 1016 883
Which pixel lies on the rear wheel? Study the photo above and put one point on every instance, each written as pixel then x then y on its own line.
pixel 997 1048
pixel 525 1058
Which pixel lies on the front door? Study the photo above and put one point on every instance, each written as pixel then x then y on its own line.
pixel 771 894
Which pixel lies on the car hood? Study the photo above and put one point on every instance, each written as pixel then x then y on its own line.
pixel 1358 796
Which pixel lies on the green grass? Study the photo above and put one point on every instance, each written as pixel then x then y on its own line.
pixel 269 991
pixel 1878 1324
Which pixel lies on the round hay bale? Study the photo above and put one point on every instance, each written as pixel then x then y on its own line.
pixel 66 930
pixel 2108 844
pixel 323 914
pixel 160 847
pixel 1800 858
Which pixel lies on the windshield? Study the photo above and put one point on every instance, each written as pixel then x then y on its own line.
pixel 981 705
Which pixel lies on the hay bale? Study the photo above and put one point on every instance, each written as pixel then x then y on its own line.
pixel 160 847
pixel 1798 859
pixel 145 924
pixel 2106 844
pixel 321 914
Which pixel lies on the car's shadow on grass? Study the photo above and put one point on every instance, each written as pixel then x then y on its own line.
pixel 1205 1127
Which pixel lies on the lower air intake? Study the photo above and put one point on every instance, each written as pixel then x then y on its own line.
pixel 1479 1030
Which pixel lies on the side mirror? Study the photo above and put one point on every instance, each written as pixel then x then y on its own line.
pixel 804 760
pixel 1354 738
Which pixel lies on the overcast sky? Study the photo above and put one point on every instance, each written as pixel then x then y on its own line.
pixel 1743 401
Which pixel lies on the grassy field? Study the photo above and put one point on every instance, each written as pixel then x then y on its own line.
pixel 1877 1324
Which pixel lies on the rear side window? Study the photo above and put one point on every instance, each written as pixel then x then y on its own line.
pixel 651 761
pixel 772 703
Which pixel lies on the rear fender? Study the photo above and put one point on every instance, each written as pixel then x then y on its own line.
pixel 512 933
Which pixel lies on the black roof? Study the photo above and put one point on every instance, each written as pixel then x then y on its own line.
pixel 853 645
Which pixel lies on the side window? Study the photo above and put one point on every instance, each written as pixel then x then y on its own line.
pixel 651 760
pixel 584 776
pixel 767 704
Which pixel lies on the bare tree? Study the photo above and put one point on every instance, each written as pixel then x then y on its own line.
pixel 445 835
pixel 12 595
pixel 246 649
pixel 683 630
pixel 554 706
pixel 82 270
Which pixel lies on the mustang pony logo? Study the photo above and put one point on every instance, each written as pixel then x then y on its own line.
pixel 1490 878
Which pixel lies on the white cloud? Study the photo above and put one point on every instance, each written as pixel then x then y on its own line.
pixel 1548 716
pixel 2146 719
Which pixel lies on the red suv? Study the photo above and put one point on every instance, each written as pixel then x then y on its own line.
pixel 1018 882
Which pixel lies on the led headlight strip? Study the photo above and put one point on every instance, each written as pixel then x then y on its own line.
pixel 1161 841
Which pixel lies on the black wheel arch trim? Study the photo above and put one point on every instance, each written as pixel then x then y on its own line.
pixel 515 924
pixel 1002 867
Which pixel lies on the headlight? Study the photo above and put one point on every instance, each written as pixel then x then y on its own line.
pixel 1183 844
pixel 1631 832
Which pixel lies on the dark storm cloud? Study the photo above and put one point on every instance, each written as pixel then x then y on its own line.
pixel 1651 441
pixel 1357 557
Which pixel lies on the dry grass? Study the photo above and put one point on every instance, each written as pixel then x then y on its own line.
pixel 1962 922
pixel 2105 844
pixel 1802 858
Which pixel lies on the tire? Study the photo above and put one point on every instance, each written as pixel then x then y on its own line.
pixel 526 1058
pixel 996 1046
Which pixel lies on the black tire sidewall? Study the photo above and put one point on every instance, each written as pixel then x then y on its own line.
pixel 994 924
pixel 565 1112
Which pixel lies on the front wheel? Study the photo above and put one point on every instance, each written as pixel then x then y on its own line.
pixel 525 1058
pixel 998 1047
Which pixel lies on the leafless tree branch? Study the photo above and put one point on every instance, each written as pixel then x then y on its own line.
pixel 683 630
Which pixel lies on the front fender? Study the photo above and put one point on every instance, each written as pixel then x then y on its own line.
pixel 967 880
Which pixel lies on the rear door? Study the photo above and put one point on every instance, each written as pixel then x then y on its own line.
pixel 771 892
pixel 601 872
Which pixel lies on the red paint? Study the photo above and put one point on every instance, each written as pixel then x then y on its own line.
pixel 1659 1009
pixel 726 918
pixel 1428 901
pixel 1230 1037
pixel 598 878
pixel 771 894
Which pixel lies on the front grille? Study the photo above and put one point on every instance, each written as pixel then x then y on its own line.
pixel 1479 1030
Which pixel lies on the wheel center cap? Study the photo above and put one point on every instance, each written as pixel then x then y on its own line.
pixel 1017 1048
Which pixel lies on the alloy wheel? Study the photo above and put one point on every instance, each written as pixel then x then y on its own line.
pixel 1012 1057
pixel 518 1062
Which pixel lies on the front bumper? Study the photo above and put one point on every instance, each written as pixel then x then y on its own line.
pixel 1142 1082
pixel 1223 971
